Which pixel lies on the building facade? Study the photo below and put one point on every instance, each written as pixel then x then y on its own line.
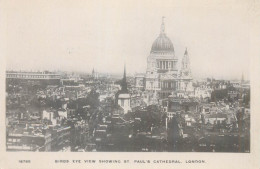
pixel 163 78
pixel 43 78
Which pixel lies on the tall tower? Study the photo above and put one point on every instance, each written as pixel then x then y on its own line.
pixel 94 74
pixel 185 74
pixel 242 79
pixel 185 71
pixel 123 97
pixel 124 83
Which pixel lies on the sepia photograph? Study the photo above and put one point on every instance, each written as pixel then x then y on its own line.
pixel 89 77
pixel 161 104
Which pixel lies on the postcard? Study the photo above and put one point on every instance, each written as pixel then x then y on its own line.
pixel 130 84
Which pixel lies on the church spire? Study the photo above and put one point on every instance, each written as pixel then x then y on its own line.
pixel 186 52
pixel 124 83
pixel 93 73
pixel 124 72
pixel 242 79
pixel 162 26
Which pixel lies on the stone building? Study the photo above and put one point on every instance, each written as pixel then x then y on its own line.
pixel 163 78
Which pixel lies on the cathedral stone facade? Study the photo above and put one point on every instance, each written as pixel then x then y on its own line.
pixel 163 77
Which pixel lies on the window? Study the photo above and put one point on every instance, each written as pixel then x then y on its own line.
pixel 122 102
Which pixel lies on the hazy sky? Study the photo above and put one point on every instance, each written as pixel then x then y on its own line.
pixel 78 35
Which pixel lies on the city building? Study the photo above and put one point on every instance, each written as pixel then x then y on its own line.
pixel 174 105
pixel 203 92
pixel 28 138
pixel 44 78
pixel 140 81
pixel 163 77
pixel 94 74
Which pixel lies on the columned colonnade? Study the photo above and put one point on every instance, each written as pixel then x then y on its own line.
pixel 166 64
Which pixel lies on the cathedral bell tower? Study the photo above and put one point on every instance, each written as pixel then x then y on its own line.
pixel 185 71
pixel 185 74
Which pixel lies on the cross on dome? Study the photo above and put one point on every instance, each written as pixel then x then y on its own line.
pixel 163 26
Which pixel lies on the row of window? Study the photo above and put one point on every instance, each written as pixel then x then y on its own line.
pixel 31 76
pixel 14 140
pixel 164 94
pixel 167 85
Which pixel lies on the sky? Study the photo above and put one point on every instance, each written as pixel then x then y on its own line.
pixel 79 35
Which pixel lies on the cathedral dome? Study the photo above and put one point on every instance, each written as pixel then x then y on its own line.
pixel 162 43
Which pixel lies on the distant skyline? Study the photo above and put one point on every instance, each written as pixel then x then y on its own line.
pixel 82 35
